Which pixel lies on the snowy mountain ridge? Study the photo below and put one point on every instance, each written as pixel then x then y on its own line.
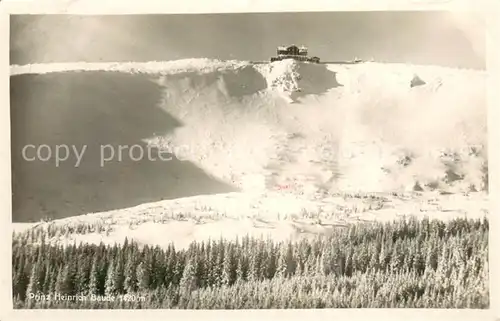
pixel 297 139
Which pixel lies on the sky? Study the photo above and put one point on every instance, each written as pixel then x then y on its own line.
pixel 429 38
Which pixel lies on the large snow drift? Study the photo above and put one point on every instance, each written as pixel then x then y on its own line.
pixel 297 128
pixel 317 128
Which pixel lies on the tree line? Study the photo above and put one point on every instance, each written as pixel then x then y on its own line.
pixel 405 263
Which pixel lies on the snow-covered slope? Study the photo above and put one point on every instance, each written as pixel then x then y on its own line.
pixel 274 215
pixel 349 127
pixel 310 131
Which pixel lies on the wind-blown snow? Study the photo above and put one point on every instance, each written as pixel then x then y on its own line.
pixel 309 131
pixel 152 67
pixel 358 127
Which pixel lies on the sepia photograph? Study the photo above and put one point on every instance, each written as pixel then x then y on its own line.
pixel 249 161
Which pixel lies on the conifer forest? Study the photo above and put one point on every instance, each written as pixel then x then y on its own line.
pixel 403 264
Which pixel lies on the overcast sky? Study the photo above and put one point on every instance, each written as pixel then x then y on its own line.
pixel 411 37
